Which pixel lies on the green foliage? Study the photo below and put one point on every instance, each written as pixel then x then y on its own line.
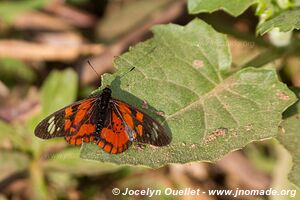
pixel 285 21
pixel 53 93
pixel 283 15
pixel 233 7
pixel 289 136
pixel 273 14
pixel 209 113
pixel 13 70
pixel 268 8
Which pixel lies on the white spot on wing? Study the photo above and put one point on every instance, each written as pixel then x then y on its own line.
pixel 51 128
pixel 51 120
pixel 155 125
pixel 154 134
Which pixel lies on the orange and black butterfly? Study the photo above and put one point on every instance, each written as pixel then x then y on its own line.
pixel 112 124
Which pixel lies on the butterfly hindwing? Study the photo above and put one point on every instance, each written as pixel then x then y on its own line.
pixel 74 122
pixel 113 137
pixel 140 126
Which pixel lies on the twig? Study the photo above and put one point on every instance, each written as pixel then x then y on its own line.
pixel 35 20
pixel 24 50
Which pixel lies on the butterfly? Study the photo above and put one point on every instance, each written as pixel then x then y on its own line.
pixel 110 123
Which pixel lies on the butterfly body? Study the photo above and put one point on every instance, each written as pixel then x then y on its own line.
pixel 110 123
pixel 103 101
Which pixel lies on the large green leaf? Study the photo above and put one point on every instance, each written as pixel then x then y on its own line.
pixel 233 7
pixel 285 21
pixel 289 136
pixel 180 73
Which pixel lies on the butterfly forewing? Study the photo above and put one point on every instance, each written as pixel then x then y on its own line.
pixel 74 122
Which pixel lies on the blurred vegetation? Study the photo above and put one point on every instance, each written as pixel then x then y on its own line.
pixel 44 46
pixel 10 9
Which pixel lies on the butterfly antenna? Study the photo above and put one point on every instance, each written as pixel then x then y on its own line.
pixel 94 69
pixel 134 67
pixel 127 72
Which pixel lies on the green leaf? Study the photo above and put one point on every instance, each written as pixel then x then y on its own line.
pixel 12 70
pixel 289 136
pixel 233 7
pixel 180 72
pixel 59 89
pixel 285 21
